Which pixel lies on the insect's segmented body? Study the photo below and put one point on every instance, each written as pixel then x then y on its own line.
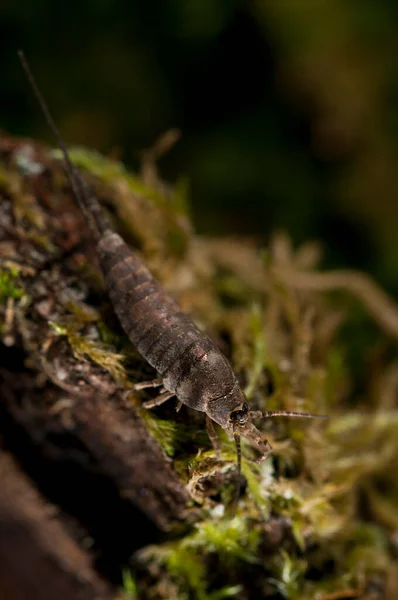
pixel 188 361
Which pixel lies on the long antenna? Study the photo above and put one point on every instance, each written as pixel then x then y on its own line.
pixel 258 414
pixel 85 202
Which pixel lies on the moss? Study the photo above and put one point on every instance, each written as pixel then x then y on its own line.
pixel 256 327
pixel 167 432
pixel 232 540
pixel 187 565
pixel 383 510
pixel 289 575
pixel 130 591
pixel 81 346
pixel 83 312
pixel 41 240
pixel 107 335
pixel 258 476
pixel 180 196
pixel 163 206
pixel 9 288
pixel 337 373
pixel 110 171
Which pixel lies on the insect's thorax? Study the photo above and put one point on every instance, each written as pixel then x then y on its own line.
pixel 201 374
pixel 221 408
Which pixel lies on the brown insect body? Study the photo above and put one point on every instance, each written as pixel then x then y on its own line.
pixel 190 365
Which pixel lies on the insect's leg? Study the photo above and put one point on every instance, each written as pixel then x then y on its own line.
pixel 158 400
pixel 211 432
pixel 148 384
pixel 179 406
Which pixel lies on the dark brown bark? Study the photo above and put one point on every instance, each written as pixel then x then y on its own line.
pixel 38 558
pixel 106 437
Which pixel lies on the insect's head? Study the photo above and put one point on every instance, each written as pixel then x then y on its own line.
pixel 240 421
pixel 241 424
pixel 239 416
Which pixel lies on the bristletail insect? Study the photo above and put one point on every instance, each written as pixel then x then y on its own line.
pixel 189 364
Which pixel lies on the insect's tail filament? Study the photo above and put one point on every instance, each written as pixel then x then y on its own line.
pixel 88 205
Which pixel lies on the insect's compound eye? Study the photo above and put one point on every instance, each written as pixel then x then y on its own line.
pixel 240 416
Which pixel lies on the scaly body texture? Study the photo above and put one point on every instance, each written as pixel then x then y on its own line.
pixel 189 363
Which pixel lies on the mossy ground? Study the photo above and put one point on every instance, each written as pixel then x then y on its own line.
pixel 319 518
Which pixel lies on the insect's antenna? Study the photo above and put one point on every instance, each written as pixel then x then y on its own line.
pixel 89 205
pixel 255 414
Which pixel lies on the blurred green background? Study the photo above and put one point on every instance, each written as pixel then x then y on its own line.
pixel 288 108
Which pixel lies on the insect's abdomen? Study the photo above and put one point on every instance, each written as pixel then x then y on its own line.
pixel 190 364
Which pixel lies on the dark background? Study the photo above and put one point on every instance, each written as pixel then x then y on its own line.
pixel 288 110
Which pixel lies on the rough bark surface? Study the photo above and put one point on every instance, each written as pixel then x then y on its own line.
pixel 38 557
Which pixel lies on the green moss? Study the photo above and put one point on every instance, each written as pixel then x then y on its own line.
pixel 9 288
pixel 130 591
pixel 162 208
pixel 83 347
pixel 93 162
pixel 285 498
pixel 289 573
pixel 107 335
pixel 180 196
pixel 256 326
pixel 336 369
pixel 83 312
pixel 229 591
pixel 258 476
pixel 232 539
pixel 109 170
pixel 367 551
pixel 186 565
pixel 165 431
pixel 41 240
pixel 383 509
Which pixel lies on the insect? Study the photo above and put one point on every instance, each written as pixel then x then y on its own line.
pixel 189 364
